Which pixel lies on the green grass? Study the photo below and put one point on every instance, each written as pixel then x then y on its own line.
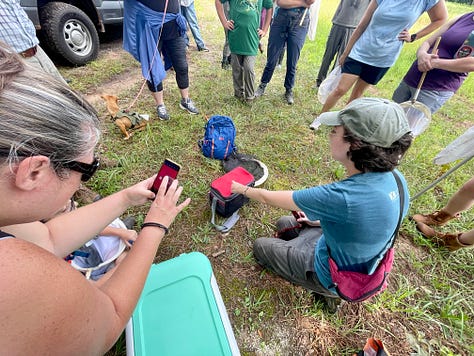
pixel 427 307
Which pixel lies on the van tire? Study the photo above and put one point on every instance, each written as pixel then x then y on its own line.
pixel 69 32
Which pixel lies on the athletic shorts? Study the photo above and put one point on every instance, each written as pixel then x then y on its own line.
pixel 366 72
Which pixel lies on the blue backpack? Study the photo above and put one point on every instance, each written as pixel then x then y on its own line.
pixel 219 137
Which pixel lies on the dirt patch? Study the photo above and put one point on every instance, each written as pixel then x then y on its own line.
pixel 122 83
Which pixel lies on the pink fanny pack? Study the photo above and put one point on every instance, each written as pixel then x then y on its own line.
pixel 356 286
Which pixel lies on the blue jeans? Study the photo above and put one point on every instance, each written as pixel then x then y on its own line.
pixel 286 28
pixel 433 99
pixel 190 14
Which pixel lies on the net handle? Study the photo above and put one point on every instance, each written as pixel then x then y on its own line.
pixel 423 76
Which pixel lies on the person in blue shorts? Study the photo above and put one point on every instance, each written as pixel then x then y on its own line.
pixel 378 40
pixel 356 217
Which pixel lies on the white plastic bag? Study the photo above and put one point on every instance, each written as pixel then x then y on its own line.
pixel 313 19
pixel 329 84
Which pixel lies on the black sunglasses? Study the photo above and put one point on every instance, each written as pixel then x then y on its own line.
pixel 86 169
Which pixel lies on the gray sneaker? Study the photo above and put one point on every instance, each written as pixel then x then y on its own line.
pixel 260 90
pixel 162 112
pixel 188 105
pixel 289 97
pixel 315 124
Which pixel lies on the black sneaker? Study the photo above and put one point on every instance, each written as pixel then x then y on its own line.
pixel 289 97
pixel 203 49
pixel 162 112
pixel 188 105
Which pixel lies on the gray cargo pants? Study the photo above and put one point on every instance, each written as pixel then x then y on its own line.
pixel 294 259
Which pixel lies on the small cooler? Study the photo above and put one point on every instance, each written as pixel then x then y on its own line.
pixel 181 312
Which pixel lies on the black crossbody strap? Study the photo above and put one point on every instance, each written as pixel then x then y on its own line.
pixel 401 195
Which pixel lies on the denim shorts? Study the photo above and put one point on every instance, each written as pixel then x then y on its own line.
pixel 366 72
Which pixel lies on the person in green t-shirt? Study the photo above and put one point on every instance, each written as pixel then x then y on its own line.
pixel 244 35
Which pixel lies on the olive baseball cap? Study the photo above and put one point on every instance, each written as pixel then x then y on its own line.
pixel 380 122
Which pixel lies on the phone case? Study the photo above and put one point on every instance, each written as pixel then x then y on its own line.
pixel 168 168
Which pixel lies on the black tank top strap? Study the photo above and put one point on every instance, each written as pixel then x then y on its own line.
pixel 4 235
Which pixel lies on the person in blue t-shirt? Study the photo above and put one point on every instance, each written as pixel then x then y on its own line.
pixel 355 217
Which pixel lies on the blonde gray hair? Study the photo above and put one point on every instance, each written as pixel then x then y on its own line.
pixel 42 116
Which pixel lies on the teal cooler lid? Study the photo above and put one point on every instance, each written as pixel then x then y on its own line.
pixel 178 314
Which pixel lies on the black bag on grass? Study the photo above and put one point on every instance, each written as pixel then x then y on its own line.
pixel 224 202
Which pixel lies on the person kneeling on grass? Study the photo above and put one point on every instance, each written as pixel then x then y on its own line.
pixel 355 217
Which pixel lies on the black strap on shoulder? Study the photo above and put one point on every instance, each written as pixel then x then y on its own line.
pixel 401 195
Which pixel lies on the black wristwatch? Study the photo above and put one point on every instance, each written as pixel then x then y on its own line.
pixel 413 37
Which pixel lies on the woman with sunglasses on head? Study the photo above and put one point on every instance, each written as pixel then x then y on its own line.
pixel 47 140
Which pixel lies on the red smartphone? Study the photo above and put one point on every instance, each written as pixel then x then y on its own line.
pixel 168 168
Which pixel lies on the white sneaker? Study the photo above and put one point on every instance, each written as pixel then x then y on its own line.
pixel 315 124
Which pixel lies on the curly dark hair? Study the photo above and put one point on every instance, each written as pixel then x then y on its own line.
pixel 371 158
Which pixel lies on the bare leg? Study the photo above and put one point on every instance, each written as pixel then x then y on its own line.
pixel 359 89
pixel 345 83
pixel 467 238
pixel 158 96
pixel 462 200
pixel 184 93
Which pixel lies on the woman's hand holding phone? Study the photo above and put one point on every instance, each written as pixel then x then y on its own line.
pixel 139 193
pixel 165 207
pixel 169 169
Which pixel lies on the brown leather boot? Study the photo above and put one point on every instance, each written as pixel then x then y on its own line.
pixel 438 218
pixel 450 241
